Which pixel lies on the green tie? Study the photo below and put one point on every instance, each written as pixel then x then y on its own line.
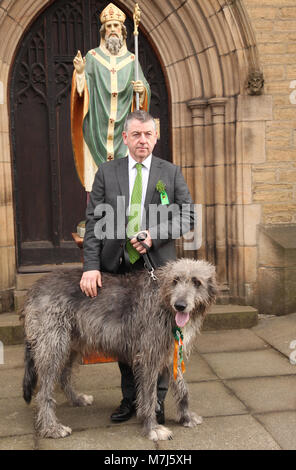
pixel 134 220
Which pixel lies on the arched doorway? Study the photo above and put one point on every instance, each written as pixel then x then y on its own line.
pixel 49 199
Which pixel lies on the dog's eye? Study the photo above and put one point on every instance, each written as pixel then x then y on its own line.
pixel 196 282
pixel 176 280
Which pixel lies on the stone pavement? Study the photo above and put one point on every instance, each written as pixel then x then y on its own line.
pixel 241 381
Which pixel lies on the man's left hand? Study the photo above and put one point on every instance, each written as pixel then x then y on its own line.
pixel 138 245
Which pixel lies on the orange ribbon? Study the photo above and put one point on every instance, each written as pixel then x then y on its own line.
pixel 176 352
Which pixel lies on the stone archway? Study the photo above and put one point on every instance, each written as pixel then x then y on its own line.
pixel 207 48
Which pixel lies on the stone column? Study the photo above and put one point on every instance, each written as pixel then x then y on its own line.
pixel 7 242
pixel 217 106
pixel 198 109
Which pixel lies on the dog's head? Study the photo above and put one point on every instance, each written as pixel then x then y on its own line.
pixel 189 287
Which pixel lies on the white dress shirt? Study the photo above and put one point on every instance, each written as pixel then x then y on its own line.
pixel 132 173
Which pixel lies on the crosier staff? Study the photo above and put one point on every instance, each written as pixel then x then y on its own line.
pixel 136 16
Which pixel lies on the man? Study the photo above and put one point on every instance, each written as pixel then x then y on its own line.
pixel 120 178
pixel 103 93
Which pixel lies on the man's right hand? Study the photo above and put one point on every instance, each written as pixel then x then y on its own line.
pixel 79 63
pixel 89 282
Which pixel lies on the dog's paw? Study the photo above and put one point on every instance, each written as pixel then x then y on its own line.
pixel 191 420
pixel 56 432
pixel 160 433
pixel 83 400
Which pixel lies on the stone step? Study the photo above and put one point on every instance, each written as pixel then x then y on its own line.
pixel 25 281
pixel 27 275
pixel 11 329
pixel 220 317
pixel 228 317
pixel 19 299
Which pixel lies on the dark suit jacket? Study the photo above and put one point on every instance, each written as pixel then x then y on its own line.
pixel 103 249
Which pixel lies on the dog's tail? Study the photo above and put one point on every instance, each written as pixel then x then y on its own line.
pixel 30 377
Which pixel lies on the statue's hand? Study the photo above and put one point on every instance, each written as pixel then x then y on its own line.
pixel 138 87
pixel 79 63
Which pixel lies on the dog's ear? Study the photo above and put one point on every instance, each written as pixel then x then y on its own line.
pixel 213 286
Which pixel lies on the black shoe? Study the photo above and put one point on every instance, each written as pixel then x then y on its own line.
pixel 160 412
pixel 124 412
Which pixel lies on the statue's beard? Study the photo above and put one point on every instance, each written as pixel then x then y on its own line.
pixel 114 44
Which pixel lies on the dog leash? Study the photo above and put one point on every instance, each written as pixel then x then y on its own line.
pixel 177 332
pixel 147 261
pixel 149 267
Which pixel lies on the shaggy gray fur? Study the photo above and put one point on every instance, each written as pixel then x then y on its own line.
pixel 131 319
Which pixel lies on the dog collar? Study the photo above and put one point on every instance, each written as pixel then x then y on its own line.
pixel 178 352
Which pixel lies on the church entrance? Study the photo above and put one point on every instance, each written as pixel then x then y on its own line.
pixel 49 199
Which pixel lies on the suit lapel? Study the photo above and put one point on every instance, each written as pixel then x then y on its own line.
pixel 154 176
pixel 122 176
pixel 123 181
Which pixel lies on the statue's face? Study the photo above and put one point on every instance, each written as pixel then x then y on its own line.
pixel 113 29
pixel 255 82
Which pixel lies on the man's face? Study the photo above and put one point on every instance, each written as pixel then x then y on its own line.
pixel 113 29
pixel 140 139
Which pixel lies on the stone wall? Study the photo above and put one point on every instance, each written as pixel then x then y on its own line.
pixel 274 179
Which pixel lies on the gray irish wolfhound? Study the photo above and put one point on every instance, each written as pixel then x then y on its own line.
pixel 132 319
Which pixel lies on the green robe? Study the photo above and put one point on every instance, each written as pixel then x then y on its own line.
pixel 110 100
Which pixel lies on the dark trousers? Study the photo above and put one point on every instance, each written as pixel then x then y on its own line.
pixel 128 386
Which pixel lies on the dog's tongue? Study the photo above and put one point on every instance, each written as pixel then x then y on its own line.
pixel 181 318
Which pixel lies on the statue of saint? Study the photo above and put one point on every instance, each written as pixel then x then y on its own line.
pixel 103 93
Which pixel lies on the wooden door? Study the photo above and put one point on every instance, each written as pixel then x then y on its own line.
pixel 49 199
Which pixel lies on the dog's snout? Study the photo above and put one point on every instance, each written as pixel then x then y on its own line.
pixel 180 305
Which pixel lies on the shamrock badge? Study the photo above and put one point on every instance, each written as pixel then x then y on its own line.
pixel 160 186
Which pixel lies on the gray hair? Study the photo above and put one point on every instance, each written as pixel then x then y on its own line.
pixel 138 115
